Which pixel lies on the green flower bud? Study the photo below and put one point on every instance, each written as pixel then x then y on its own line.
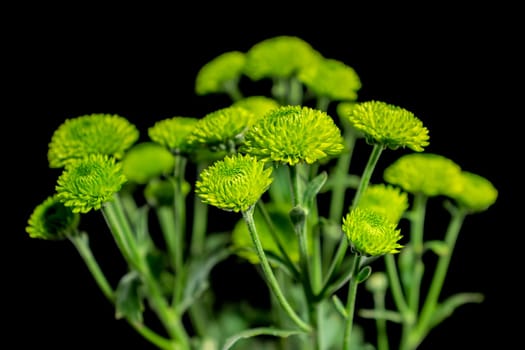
pixel 427 173
pixel 87 183
pixel 370 233
pixel 52 220
pixel 90 134
pixel 173 133
pixel 389 125
pixel 331 78
pixel 234 183
pixel 294 134
pixel 377 282
pixel 222 70
pixel 221 128
pixel 280 56
pixel 477 193
pixel 386 200
pixel 145 161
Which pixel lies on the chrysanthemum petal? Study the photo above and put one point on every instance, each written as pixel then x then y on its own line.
pixel 234 183
pixel 89 134
pixel 294 134
pixel 85 184
pixel 389 125
pixel 370 233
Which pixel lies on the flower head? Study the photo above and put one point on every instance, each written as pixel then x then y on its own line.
pixel 234 183
pixel 52 220
pixel 370 233
pixel 477 192
pixel 173 133
pixel 258 105
pixel 427 173
pixel 145 161
pixel 224 69
pixel 389 125
pixel 221 128
pixel 331 78
pixel 281 56
pixel 294 134
pixel 87 183
pixel 89 134
pixel 386 200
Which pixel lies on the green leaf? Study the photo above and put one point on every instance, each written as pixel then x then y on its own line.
pixel 128 302
pixel 363 274
pixel 440 248
pixel 198 274
pixel 254 332
pixel 447 307
pixel 313 188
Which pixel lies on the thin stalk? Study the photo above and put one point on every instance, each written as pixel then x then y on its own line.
pixel 122 230
pixel 438 279
pixel 268 273
pixel 199 226
pixel 395 286
pixel 350 304
pixel 413 289
pixel 81 243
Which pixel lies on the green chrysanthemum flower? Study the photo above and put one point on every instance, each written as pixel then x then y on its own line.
pixel 258 105
pixel 427 173
pixel 294 134
pixel 386 200
pixel 52 220
pixel 89 134
pixel 145 161
pixel 234 183
pixel 87 183
pixel 279 57
pixel 224 69
pixel 221 128
pixel 370 233
pixel 173 133
pixel 477 192
pixel 389 125
pixel 331 78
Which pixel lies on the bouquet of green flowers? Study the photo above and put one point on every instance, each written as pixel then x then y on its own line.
pixel 313 229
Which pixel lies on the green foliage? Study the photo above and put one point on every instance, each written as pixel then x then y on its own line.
pixel 308 223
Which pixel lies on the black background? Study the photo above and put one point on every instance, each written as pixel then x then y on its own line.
pixel 452 68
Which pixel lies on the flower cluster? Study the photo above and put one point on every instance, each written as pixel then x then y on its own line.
pixel 285 164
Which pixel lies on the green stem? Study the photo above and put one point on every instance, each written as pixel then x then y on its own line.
pixel 295 92
pixel 119 226
pixel 395 286
pixel 438 279
pixel 363 184
pixel 231 87
pixel 81 243
pixel 379 305
pixel 322 103
pixel 267 270
pixel 199 226
pixel 122 231
pixel 350 303
pixel 367 173
pixel 179 236
pixel 413 287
